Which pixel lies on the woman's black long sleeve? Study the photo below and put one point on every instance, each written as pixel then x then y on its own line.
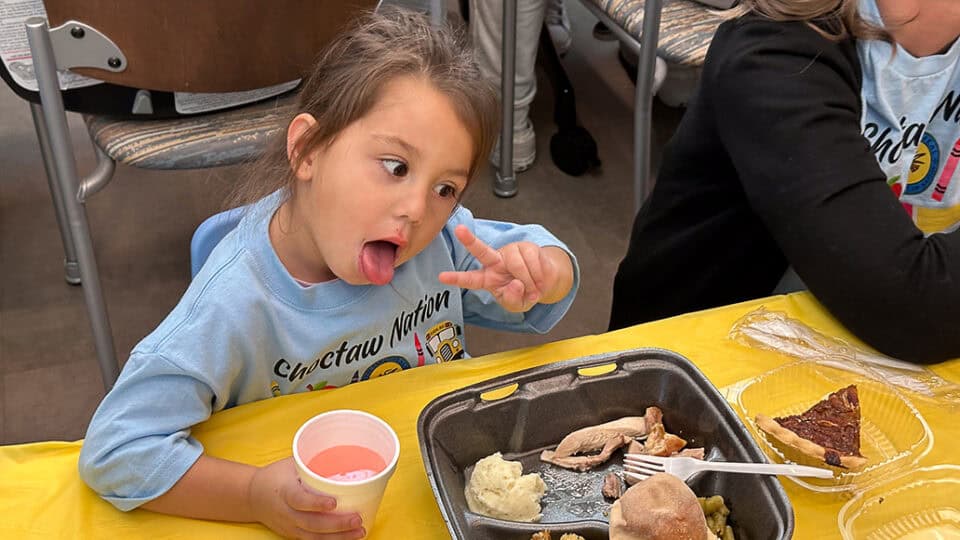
pixel 769 168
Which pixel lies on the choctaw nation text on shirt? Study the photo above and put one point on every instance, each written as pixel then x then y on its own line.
pixel 377 355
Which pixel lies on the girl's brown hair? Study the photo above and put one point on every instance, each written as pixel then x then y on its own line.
pixel 349 76
pixel 834 19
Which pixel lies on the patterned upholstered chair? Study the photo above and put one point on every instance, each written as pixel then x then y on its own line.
pixel 148 52
pixel 663 33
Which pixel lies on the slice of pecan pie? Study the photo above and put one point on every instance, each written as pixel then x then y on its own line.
pixel 828 431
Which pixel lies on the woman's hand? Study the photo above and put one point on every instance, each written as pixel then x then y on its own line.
pixel 281 502
pixel 518 275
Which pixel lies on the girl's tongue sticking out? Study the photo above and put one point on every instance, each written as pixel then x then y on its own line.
pixel 377 260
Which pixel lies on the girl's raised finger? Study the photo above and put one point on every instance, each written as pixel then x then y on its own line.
pixel 484 253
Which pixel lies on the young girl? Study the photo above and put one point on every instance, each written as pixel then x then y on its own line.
pixel 825 136
pixel 349 269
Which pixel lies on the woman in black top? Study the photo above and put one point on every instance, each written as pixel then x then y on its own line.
pixel 771 167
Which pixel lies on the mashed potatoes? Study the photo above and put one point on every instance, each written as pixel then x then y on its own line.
pixel 497 489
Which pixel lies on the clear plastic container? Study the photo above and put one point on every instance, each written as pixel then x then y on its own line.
pixel 920 503
pixel 893 435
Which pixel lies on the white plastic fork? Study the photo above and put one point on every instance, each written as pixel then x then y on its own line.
pixel 641 466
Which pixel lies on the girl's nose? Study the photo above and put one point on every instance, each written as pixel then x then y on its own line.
pixel 412 205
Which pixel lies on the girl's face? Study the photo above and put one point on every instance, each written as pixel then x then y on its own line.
pixel 380 192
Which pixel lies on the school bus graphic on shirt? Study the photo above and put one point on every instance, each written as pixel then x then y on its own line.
pixel 444 342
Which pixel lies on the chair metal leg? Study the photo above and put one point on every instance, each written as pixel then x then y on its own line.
pixel 70 265
pixel 44 64
pixel 505 182
pixel 99 178
pixel 643 109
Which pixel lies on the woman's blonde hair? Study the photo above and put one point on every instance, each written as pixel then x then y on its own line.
pixel 834 19
pixel 349 76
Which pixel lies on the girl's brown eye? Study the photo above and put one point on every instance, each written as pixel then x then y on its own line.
pixel 394 167
pixel 446 191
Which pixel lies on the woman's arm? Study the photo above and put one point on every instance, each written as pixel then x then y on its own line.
pixel 787 110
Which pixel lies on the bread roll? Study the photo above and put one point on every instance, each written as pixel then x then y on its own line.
pixel 661 507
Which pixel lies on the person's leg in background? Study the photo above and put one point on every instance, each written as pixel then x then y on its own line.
pixel 558 24
pixel 486 31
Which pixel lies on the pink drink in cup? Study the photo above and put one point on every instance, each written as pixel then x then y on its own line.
pixel 349 455
pixel 347 463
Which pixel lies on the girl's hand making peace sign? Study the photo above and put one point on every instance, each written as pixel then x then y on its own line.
pixel 518 275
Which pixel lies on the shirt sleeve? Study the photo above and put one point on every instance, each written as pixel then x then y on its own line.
pixel 788 112
pixel 479 306
pixel 138 444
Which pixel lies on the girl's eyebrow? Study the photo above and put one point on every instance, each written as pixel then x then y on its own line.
pixel 457 172
pixel 393 139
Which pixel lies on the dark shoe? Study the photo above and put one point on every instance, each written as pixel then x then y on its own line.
pixel 603 33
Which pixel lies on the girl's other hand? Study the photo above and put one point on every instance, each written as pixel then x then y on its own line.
pixel 518 275
pixel 282 503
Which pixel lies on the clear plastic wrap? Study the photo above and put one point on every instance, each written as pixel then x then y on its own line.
pixel 775 331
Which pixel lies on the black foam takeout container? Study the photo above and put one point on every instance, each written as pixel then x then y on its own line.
pixel 459 428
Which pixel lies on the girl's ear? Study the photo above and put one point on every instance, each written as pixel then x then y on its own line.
pixel 301 165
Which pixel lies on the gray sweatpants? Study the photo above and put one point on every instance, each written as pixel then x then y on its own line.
pixel 486 31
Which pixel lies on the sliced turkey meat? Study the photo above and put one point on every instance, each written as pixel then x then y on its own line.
pixel 584 463
pixel 593 438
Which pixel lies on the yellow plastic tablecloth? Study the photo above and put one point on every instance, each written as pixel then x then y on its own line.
pixel 42 496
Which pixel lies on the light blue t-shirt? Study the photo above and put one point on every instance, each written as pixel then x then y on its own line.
pixel 246 330
pixel 911 118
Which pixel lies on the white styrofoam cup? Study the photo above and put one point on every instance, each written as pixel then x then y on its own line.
pixel 348 427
